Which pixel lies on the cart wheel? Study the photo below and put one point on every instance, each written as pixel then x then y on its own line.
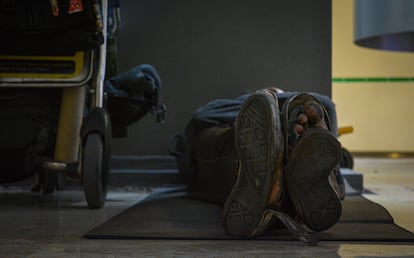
pixel 93 177
pixel 347 161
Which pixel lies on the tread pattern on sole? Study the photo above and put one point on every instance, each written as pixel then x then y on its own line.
pixel 244 208
pixel 252 144
pixel 311 162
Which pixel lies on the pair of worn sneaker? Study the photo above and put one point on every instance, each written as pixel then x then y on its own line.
pixel 287 165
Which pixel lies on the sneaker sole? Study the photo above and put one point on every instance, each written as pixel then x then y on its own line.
pixel 306 176
pixel 258 149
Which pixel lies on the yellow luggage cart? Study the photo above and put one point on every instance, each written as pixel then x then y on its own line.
pixel 32 57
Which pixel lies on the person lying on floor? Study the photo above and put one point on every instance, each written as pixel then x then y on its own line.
pixel 270 158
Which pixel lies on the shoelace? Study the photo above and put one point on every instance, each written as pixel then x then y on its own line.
pixel 294 228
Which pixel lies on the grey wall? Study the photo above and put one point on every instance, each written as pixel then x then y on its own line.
pixel 219 49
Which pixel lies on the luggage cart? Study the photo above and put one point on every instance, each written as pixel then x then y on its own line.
pixel 62 45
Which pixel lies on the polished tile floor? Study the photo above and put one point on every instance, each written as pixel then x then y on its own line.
pixel 33 225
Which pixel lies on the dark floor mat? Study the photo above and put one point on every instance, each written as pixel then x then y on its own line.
pixel 172 215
